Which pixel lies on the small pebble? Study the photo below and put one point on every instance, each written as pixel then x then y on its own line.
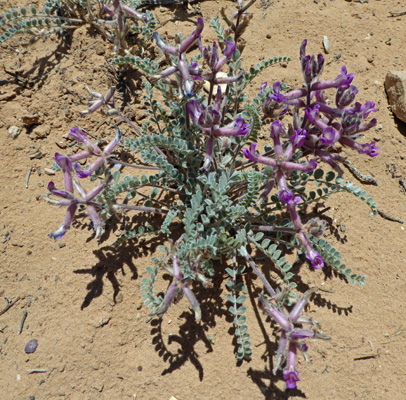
pixel 31 346
pixel 49 171
pixel 14 131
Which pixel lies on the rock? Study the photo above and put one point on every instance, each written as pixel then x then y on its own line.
pixel 14 131
pixel 41 131
pixel 49 171
pixel 31 119
pixel 395 85
pixel 31 346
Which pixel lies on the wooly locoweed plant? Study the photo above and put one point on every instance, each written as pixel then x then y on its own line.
pixel 223 204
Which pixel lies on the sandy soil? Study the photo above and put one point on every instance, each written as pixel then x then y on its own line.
pixel 83 300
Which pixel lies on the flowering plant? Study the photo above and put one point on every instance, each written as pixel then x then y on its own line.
pixel 221 202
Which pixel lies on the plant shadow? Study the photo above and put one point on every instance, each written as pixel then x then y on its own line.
pixel 111 261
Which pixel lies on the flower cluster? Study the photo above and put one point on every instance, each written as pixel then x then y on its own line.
pixel 282 165
pixel 185 73
pixel 67 196
pixel 174 291
pixel 292 337
pixel 208 119
pixel 322 125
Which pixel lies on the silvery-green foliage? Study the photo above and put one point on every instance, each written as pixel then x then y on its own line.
pixel 222 213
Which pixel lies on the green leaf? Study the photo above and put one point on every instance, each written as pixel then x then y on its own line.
pixel 318 174
pixel 259 236
pixel 230 272
pixel 230 298
pixel 241 310
pixel 288 276
pixel 241 299
pixel 330 176
pixel 286 268
pixel 232 310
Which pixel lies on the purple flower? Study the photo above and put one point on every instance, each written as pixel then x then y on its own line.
pixel 236 128
pixel 315 258
pixel 192 300
pixel 228 53
pixel 329 136
pixel 277 95
pixel 187 81
pixel 291 377
pixel 291 337
pixel 66 165
pixel 205 117
pixel 242 128
pixel 78 135
pixel 301 333
pixel 63 162
pixel 365 110
pixel 107 10
pixel 56 192
pixel 229 49
pixel 369 149
pixel 174 292
pixel 298 138
pixel 135 14
pixel 311 68
pixel 344 79
pixel 81 137
pixel 211 56
pixel 163 45
pixel 70 201
pixel 60 232
pixel 287 197
pixel 310 166
pixel 312 113
pixel 251 154
pixel 192 37
pixel 80 173
pixel 276 129
pixel 345 96
pixel 194 110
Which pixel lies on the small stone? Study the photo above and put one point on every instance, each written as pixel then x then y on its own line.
pixel 41 131
pixel 268 36
pixel 61 245
pixel 395 85
pixel 49 171
pixel 378 128
pixel 31 346
pixel 14 131
pixel 100 50
pixel 326 44
pixel 31 119
pixel 61 144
